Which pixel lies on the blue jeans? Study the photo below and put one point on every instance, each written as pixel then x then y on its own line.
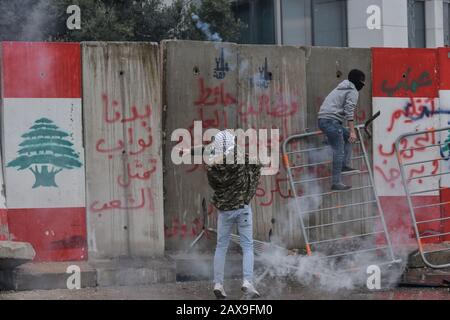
pixel 337 137
pixel 226 220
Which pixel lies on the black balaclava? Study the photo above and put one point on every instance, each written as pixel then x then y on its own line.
pixel 357 77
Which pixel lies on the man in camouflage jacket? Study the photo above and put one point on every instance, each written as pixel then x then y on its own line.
pixel 234 183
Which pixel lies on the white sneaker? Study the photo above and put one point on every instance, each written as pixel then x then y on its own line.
pixel 219 291
pixel 249 289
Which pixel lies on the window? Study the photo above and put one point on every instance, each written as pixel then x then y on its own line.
pixel 296 22
pixel 314 22
pixel 329 23
pixel 259 16
pixel 447 22
pixel 416 24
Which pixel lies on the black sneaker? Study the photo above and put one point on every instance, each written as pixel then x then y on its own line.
pixel 347 170
pixel 340 187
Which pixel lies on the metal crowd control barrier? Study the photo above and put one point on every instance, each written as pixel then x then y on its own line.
pixel 421 209
pixel 360 248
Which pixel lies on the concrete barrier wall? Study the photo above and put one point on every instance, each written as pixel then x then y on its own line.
pixel 42 147
pixel 240 98
pixel 125 89
pixel 195 88
pixel 272 94
pixel 122 127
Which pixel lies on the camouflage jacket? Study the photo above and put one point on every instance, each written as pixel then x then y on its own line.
pixel 234 184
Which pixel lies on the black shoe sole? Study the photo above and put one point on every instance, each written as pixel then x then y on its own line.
pixel 219 294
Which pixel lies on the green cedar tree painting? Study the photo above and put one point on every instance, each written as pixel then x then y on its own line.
pixel 46 151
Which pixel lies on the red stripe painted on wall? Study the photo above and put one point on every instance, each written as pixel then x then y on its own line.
pixel 444 66
pixel 41 70
pixel 404 72
pixel 399 221
pixel 56 234
pixel 4 233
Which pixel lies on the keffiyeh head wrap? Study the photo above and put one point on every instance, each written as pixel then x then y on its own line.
pixel 224 142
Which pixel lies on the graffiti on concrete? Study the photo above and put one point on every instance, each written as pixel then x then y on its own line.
pixel 222 67
pixel 407 84
pixel 265 195
pixel 135 122
pixel 278 105
pixel 213 96
pixel 46 151
pixel 129 203
pixel 414 110
pixel 216 106
pixel 408 149
pixel 263 77
pixel 137 170
pixel 120 145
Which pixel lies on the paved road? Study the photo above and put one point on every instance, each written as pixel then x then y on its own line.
pixel 201 290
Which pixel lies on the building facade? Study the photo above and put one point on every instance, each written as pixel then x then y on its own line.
pixel 346 23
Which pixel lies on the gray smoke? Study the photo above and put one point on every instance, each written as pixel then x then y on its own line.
pixel 35 24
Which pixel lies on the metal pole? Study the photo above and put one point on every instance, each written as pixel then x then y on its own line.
pixel 372 182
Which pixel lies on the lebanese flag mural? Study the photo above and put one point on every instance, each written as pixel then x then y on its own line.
pixel 43 148
pixel 406 91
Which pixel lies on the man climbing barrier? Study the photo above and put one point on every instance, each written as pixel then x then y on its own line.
pixel 338 106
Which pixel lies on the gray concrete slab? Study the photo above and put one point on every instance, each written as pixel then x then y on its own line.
pixel 425 277
pixel 134 271
pixel 46 276
pixel 14 253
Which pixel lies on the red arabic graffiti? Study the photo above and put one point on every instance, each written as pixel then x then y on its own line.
pixel 281 108
pixel 407 151
pixel 213 96
pixel 415 109
pixel 140 172
pixel 129 203
pixel 137 120
pixel 409 147
pixel 265 195
pixel 178 229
